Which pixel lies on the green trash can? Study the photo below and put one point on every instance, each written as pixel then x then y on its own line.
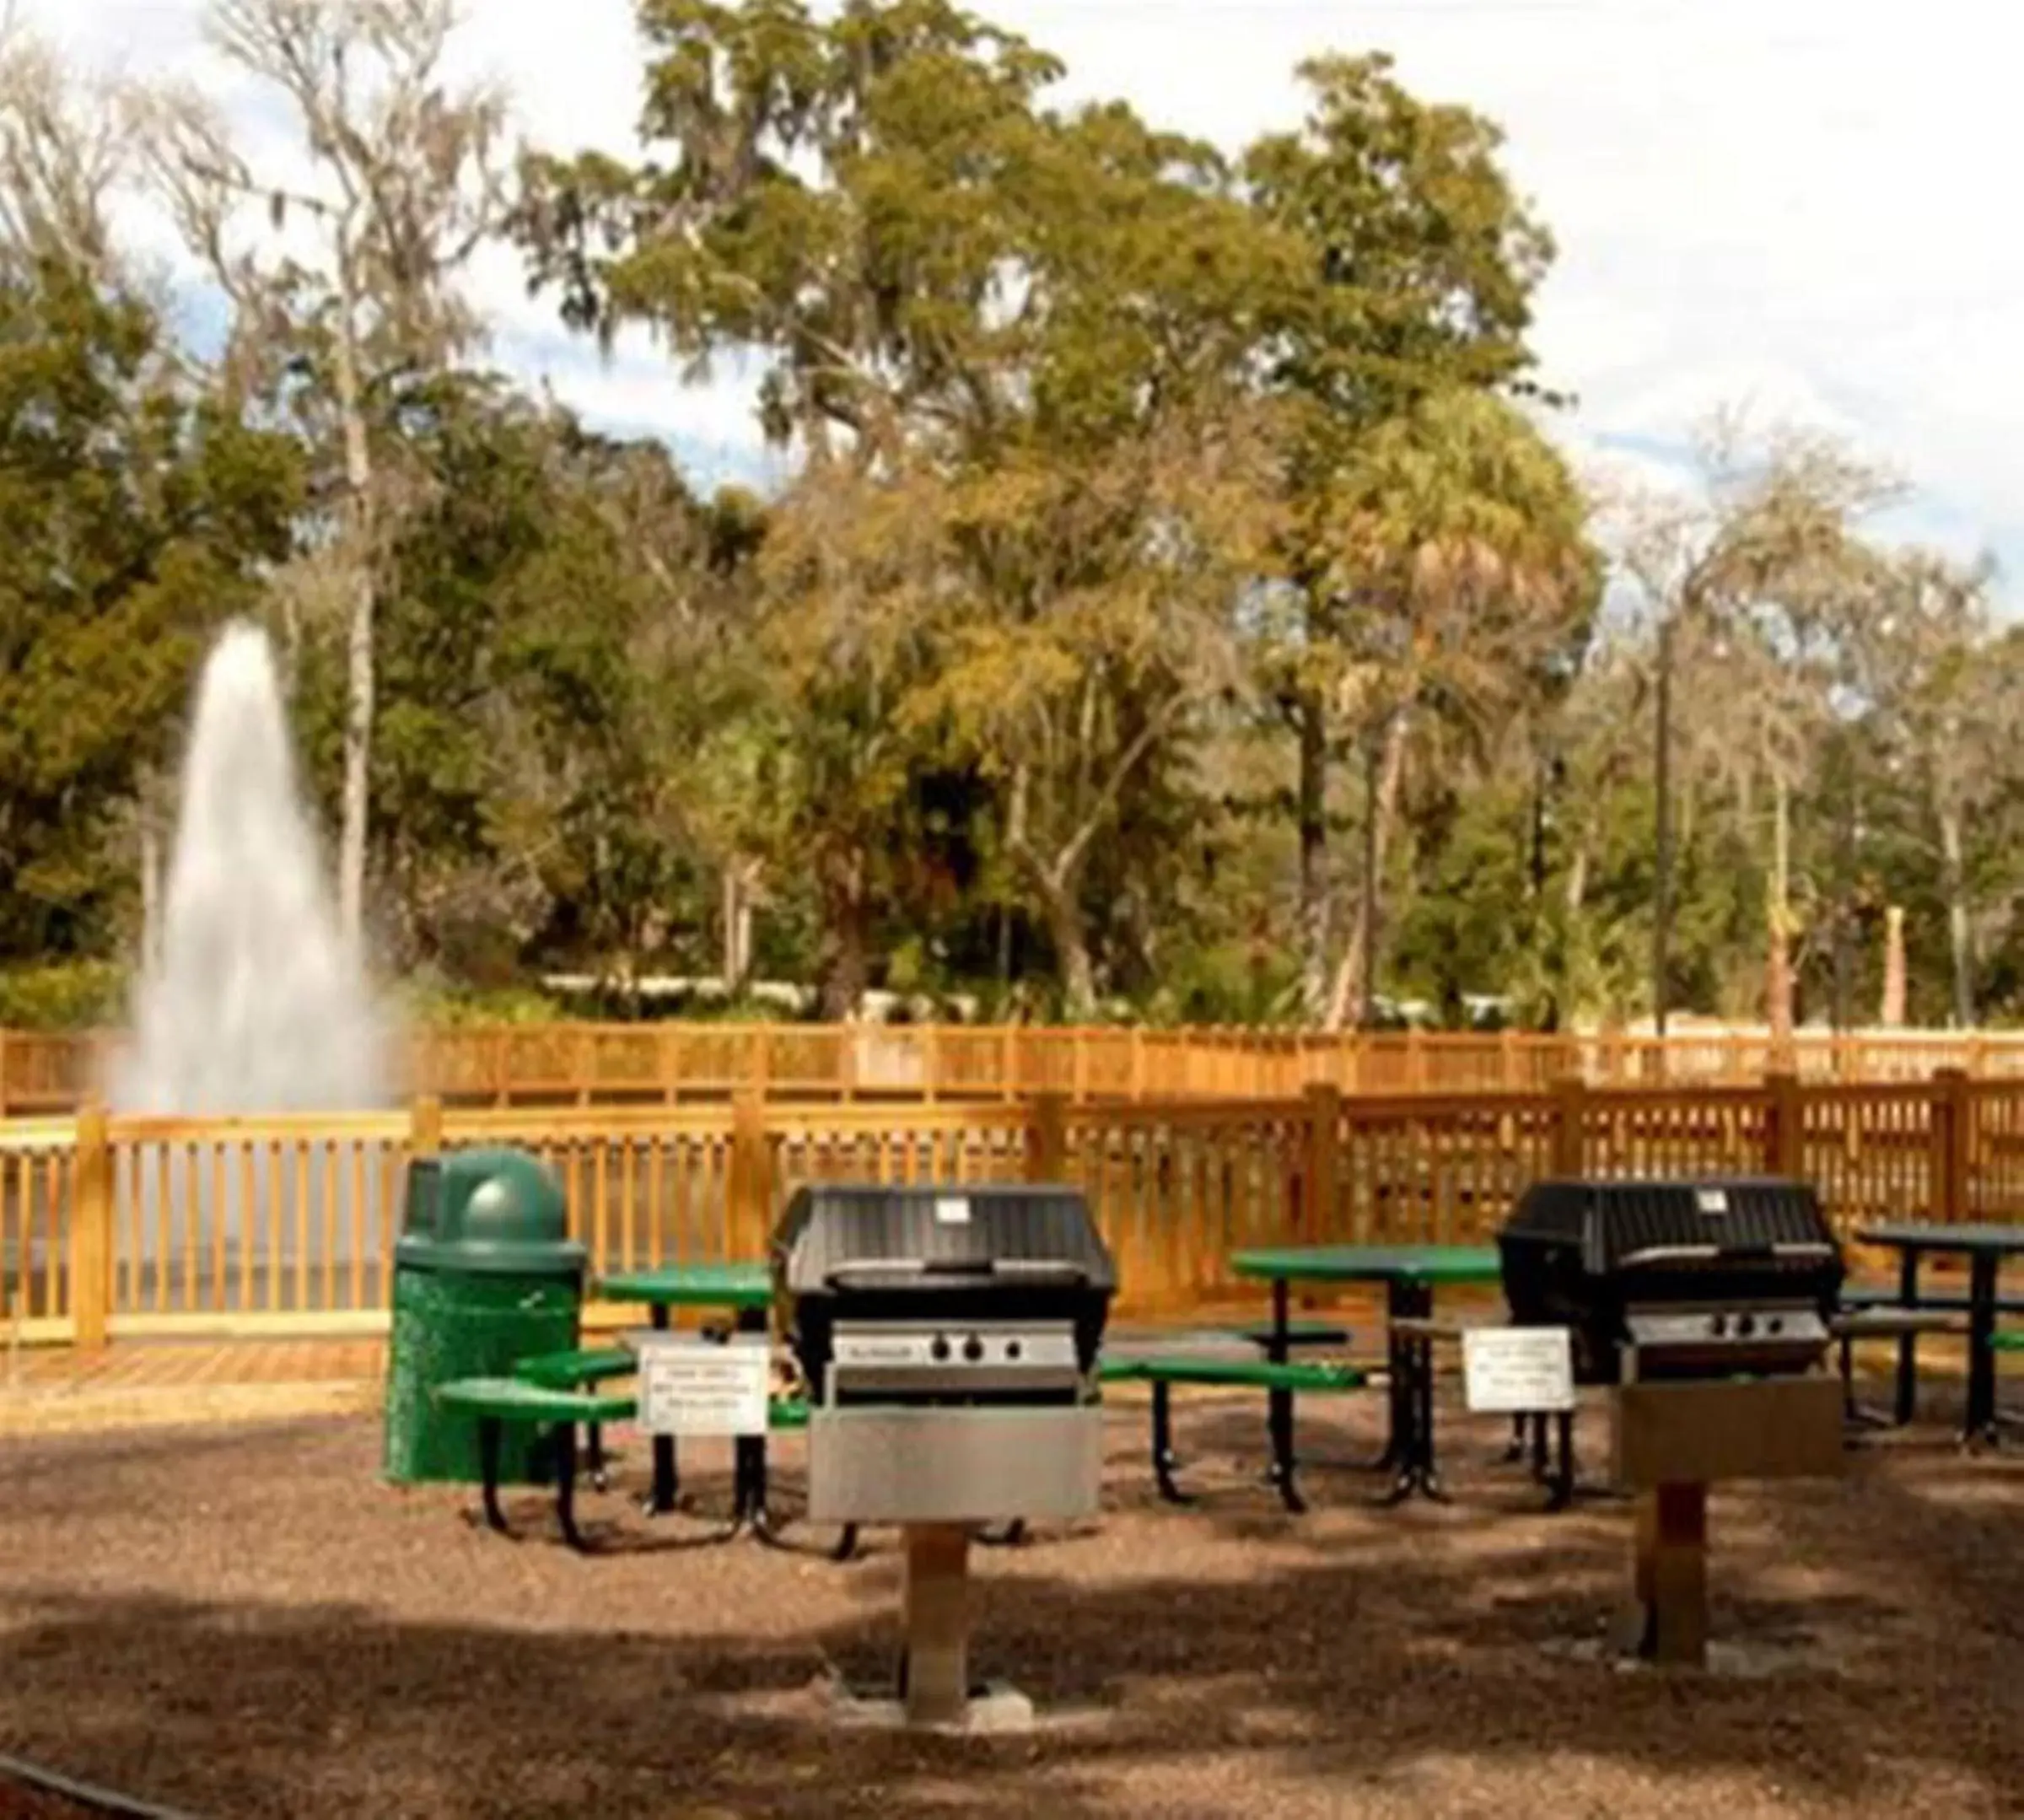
pixel 485 1273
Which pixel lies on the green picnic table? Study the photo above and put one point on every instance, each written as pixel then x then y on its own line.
pixel 745 1289
pixel 1410 1274
pixel 1987 1248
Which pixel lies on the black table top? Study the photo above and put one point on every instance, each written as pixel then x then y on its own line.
pixel 1930 1236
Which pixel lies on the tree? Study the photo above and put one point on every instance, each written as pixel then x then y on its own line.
pixel 1459 538
pixel 1420 261
pixel 63 156
pixel 1939 686
pixel 347 290
pixel 1758 583
pixel 135 516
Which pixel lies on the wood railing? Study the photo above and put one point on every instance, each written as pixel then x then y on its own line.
pixel 506 1066
pixel 114 1227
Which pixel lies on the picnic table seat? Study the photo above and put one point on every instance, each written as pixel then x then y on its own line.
pixel 578 1369
pixel 1865 1319
pixel 1868 1296
pixel 1878 1311
pixel 496 1402
pixel 1206 1362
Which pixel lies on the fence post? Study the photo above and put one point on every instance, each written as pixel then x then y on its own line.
pixel 1952 1137
pixel 1047 1138
pixel 1007 1062
pixel 1323 1174
pixel 91 1229
pixel 425 1126
pixel 1138 1062
pixel 751 1183
pixel 1570 1125
pixel 1785 1126
pixel 2 1071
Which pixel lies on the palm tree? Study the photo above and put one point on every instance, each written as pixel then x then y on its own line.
pixel 1458 541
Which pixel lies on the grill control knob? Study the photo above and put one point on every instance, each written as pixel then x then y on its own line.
pixel 1718 1325
pixel 973 1349
pixel 1745 1325
pixel 1774 1325
pixel 1011 1348
pixel 940 1350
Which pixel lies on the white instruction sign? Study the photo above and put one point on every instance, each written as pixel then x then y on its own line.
pixel 691 1387
pixel 952 1211
pixel 1518 1371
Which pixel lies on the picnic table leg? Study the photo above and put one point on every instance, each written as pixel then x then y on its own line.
pixel 1981 1422
pixel 1413 1396
pixel 1164 1460
pixel 565 1486
pixel 1279 1404
pixel 489 1430
pixel 1562 1484
pixel 661 1500
pixel 1908 1343
pixel 749 1452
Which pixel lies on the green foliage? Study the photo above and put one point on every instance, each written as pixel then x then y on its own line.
pixel 135 516
pixel 1142 496
pixel 70 995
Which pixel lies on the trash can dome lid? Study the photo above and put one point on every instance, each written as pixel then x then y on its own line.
pixel 498 1210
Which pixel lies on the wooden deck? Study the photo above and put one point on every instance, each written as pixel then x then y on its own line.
pixel 162 1383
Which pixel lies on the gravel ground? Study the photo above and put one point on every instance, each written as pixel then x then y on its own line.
pixel 246 1623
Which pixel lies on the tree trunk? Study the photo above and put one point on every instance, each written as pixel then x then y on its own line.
pixel 1954 879
pixel 735 955
pixel 1311 719
pixel 1778 921
pixel 1071 939
pixel 358 642
pixel 151 886
pixel 1890 1014
pixel 1346 999
pixel 846 966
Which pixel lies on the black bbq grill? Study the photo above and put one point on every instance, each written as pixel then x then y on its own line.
pixel 941 1295
pixel 1675 1280
pixel 948 1337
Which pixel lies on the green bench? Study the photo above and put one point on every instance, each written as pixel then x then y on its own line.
pixel 495 1401
pixel 579 1369
pixel 1283 1382
pixel 558 1409
pixel 1261 1334
pixel 1858 1299
pixel 2007 1340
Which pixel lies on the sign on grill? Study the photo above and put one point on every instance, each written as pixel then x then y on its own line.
pixel 1518 1371
pixel 693 1387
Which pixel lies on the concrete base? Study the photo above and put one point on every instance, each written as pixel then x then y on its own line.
pixel 996 1709
pixel 1755 1660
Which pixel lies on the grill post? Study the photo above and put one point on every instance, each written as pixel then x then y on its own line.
pixel 1668 1621
pixel 938 1623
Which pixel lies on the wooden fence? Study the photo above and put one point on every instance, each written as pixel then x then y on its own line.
pixel 114 1227
pixel 543 1065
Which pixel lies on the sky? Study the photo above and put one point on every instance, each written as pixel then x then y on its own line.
pixel 1798 208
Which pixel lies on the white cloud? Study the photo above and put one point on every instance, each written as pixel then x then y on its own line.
pixel 1804 201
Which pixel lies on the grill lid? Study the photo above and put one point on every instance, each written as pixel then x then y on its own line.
pixel 850 1239
pixel 1633 1225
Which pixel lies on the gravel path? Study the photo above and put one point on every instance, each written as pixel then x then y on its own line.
pixel 246 1623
